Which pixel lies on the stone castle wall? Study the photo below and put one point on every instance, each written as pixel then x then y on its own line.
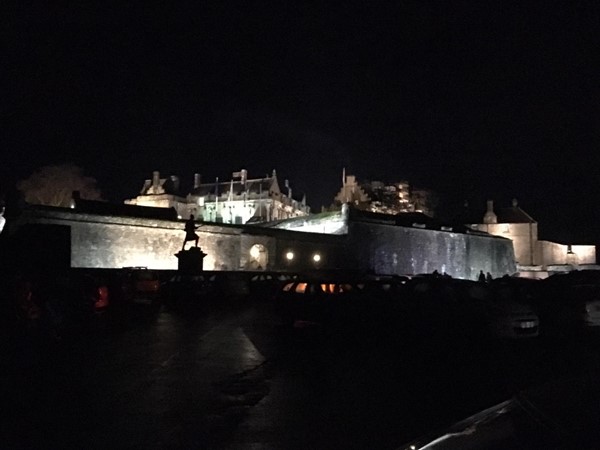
pixel 98 241
pixel 113 242
pixel 388 249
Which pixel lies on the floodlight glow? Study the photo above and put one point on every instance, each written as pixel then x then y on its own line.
pixel 255 252
pixel 289 256
pixel 316 257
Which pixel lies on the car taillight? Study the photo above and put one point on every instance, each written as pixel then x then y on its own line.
pixel 102 300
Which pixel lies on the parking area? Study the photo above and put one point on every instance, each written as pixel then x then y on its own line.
pixel 238 380
pixel 232 374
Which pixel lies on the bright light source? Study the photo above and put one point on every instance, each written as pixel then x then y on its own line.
pixel 316 257
pixel 255 251
pixel 289 256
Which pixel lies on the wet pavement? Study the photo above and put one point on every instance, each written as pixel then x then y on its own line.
pixel 232 377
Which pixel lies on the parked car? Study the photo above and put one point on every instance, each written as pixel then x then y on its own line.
pixel 436 308
pixel 384 287
pixel 59 303
pixel 560 415
pixel 570 303
pixel 183 289
pixel 139 285
pixel 306 302
pixel 265 285
pixel 511 312
pixel 96 289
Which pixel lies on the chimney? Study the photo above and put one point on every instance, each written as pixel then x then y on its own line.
pixel 175 183
pixel 197 180
pixel 155 181
pixel 489 216
pixel 287 185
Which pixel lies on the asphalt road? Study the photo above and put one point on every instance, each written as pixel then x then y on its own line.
pixel 231 377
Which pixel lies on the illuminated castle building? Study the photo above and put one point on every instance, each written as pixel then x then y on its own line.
pixel 384 198
pixel 239 200
pixel 531 253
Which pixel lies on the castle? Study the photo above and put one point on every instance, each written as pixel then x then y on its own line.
pixel 237 201
pixel 384 198
pixel 532 254
pixel 250 224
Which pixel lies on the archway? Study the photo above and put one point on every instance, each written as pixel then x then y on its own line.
pixel 259 257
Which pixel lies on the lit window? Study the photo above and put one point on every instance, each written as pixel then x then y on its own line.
pixel 328 288
pixel 301 288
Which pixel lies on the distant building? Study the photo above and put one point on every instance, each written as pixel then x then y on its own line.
pixel 384 198
pixel 530 252
pixel 237 201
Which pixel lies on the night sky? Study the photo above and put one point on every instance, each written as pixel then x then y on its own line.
pixel 473 100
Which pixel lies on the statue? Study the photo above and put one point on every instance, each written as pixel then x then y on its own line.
pixel 190 261
pixel 190 235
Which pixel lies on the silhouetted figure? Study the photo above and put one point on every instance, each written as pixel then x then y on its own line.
pixel 481 276
pixel 190 235
pixel 436 273
pixel 488 277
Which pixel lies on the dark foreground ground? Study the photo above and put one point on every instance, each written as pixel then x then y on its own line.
pixel 231 377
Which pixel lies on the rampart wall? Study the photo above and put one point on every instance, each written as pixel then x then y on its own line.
pixel 389 249
pixel 99 241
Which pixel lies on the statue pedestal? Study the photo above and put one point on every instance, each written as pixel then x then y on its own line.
pixel 190 261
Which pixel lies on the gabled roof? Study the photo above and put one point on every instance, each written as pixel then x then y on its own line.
pixel 511 214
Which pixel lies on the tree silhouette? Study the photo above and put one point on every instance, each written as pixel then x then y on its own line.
pixel 54 186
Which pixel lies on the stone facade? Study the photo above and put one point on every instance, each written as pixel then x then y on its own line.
pixel 408 244
pixel 371 243
pixel 237 201
pixel 410 251
pixel 103 241
pixel 515 224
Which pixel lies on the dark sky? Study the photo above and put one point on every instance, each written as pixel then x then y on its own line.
pixel 473 100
